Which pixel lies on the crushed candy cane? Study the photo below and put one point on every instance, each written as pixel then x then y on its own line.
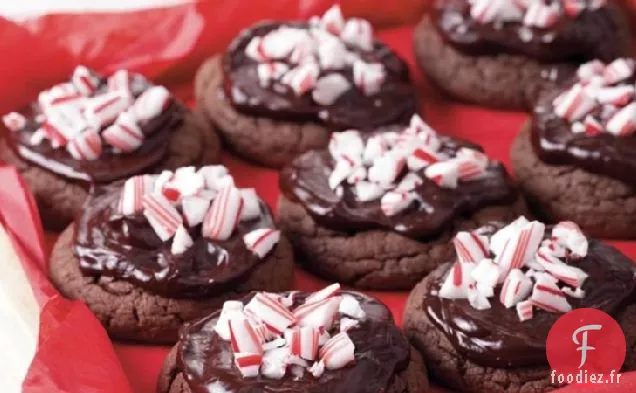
pixel 179 204
pixel 91 115
pixel 390 166
pixel 271 336
pixel 531 13
pixel 529 268
pixel 602 100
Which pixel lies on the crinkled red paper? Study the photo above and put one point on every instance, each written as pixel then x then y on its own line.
pixel 74 354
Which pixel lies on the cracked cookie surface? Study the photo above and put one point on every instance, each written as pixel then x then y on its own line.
pixel 130 313
pixel 376 259
pixel 601 206
pixel 268 142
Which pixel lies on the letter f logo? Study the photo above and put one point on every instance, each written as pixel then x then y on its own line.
pixel 583 343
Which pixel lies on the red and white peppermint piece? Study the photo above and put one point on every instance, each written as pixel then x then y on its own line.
pixel 303 341
pixel 231 309
pixel 103 109
pixel 187 181
pixel 151 103
pixel 366 191
pixel 181 242
pixel 419 127
pixel 243 336
pixel 347 145
pixel 251 204
pixel 254 50
pixel 212 174
pixel 63 124
pixel 547 296
pixel 332 20
pixel 194 209
pixel 470 247
pixel 280 43
pixel 618 70
pixel 319 314
pixel 375 147
pixel 332 54
pixel 221 219
pixel 623 122
pixel 317 369
pixel 465 153
pixel 394 202
pixel 161 215
pixel 386 169
pixel 541 15
pixel 409 182
pixel 470 169
pixel 329 88
pixel 577 293
pixel 268 72
pixel 368 77
pixel 133 193
pixel 337 352
pixel 616 95
pixel 14 121
pixel 120 80
pixel 85 146
pixel 516 287
pixel 350 306
pixel 570 235
pixel 421 157
pixel 275 362
pixel 342 170
pixel 455 285
pixel 359 174
pixel 302 78
pixel 271 312
pixel 554 247
pixel 261 241
pixel 520 247
pixel 347 324
pixel 486 11
pixel 591 126
pixel 124 135
pixel 84 81
pixel 325 293
pixel 500 238
pixel 590 70
pixel 64 94
pixel 248 364
pixel 574 104
pixel 568 274
pixel 486 275
pixel 444 173
pixel 524 310
pixel 359 33
pixel 477 298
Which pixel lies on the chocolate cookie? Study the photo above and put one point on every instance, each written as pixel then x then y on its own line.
pixel 384 222
pixel 385 362
pixel 153 251
pixel 509 65
pixel 59 199
pixel 508 354
pixel 281 87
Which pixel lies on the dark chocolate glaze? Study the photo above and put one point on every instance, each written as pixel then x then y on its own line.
pixel 305 181
pixel 127 248
pixel 110 166
pixel 604 154
pixel 381 351
pixel 496 338
pixel 594 34
pixel 395 102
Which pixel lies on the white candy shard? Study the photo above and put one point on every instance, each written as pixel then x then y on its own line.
pixel 329 88
pixel 181 242
pixel 516 287
pixel 261 241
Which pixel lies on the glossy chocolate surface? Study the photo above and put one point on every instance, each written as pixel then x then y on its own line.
pixel 603 154
pixel 570 39
pixel 305 180
pixel 496 338
pixel 127 248
pixel 381 351
pixel 395 102
pixel 110 166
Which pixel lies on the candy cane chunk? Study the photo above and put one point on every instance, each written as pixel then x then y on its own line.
pixel 231 309
pixel 393 202
pixel 455 285
pixel 181 242
pixel 84 81
pixel 103 109
pixel 478 298
pixel 329 88
pixel 125 137
pixel 87 146
pixel 325 293
pixel 14 121
pixel 524 310
pixel 623 122
pixel 251 204
pixel 358 33
pixel 618 70
pixel 520 247
pixel 318 314
pixel 317 369
pixel 615 95
pixel 570 235
pixel 151 103
pixel 541 15
pixel 302 78
pixel 279 43
pixel 470 247
pixel 368 77
pixel 212 174
pixel 275 362
pixel 500 238
pixel 161 215
pixel 548 297
pixel 271 312
pixel 386 169
pixel 261 241
pixel 486 275
pixel 347 145
pixel 351 306
pixel 63 124
pixel 444 173
pixel 568 274
pixel 268 72
pixel 421 157
pixel 574 104
pixel 591 126
pixel 332 54
pixel 577 293
pixel 120 80
pixel 332 20
pixel 133 193
pixel 337 352
pixel 303 342
pixel 243 336
pixel 516 287
pixel 224 214
pixel 248 364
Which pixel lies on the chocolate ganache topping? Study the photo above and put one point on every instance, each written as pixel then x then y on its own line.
pixel 381 351
pixel 183 234
pixel 411 180
pixel 590 124
pixel 95 129
pixel 511 328
pixel 328 70
pixel 546 30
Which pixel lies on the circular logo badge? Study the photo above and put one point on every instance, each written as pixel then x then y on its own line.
pixel 583 344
